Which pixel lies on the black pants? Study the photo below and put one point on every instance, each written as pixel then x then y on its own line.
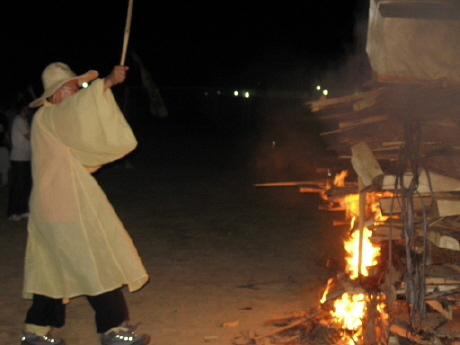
pixel 20 186
pixel 110 307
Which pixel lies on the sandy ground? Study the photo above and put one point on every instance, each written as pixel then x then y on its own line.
pixel 217 248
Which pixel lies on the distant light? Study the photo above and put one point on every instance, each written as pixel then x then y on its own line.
pixel 84 85
pixel 218 92
pixel 206 93
pixel 246 94
pixel 325 92
pixel 318 87
pixel 235 93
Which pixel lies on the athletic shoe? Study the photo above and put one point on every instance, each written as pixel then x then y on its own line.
pixel 124 336
pixel 28 338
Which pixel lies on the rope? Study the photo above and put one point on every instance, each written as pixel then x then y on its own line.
pixel 409 158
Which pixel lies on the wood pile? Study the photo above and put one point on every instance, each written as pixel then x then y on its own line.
pixel 405 139
pixel 402 144
pixel 400 140
pixel 387 117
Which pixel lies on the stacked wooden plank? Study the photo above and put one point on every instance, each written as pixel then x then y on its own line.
pixel 405 138
pixel 380 117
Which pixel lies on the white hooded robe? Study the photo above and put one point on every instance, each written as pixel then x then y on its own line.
pixel 76 243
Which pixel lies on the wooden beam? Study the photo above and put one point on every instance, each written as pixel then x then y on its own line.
pixel 390 205
pixel 364 163
pixel 326 102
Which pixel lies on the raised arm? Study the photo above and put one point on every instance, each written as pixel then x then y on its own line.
pixel 117 76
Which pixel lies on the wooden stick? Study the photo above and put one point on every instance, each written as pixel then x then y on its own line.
pixel 288 183
pixel 362 218
pixel 296 323
pixel 127 31
pixel 436 305
pixel 404 332
pixel 311 190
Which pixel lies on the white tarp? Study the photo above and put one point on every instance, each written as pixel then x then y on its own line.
pixel 410 50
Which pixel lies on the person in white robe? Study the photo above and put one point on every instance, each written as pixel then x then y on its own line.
pixel 76 245
pixel 20 177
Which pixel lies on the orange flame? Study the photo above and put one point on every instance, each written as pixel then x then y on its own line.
pixel 375 205
pixel 326 291
pixel 368 257
pixel 339 179
pixel 351 204
pixel 349 311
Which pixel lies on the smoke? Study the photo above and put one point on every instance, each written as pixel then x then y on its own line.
pixel 289 146
pixel 347 73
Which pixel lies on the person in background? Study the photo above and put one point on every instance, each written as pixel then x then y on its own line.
pixel 21 179
pixel 4 149
pixel 77 245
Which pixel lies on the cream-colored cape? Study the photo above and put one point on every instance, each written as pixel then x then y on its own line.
pixel 76 243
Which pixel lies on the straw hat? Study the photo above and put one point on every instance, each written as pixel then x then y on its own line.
pixel 57 74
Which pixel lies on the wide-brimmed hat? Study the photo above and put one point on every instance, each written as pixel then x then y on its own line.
pixel 55 75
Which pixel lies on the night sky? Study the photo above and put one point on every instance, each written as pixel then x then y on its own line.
pixel 201 43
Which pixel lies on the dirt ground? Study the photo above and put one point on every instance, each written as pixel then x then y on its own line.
pixel 217 248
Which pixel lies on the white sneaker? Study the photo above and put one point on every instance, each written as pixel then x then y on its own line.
pixel 28 338
pixel 124 336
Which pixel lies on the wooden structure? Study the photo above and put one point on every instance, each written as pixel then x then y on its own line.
pixel 401 135
pixel 405 138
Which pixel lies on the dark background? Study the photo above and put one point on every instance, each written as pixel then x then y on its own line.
pixel 204 43
pixel 190 201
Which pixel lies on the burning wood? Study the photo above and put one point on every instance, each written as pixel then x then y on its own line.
pixel 368 303
pixel 402 272
pixel 417 273
pixel 347 298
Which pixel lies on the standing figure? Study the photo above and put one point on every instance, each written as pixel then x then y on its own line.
pixel 4 150
pixel 76 245
pixel 21 179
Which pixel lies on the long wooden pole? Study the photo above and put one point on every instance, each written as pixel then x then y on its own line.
pixel 362 219
pixel 127 31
